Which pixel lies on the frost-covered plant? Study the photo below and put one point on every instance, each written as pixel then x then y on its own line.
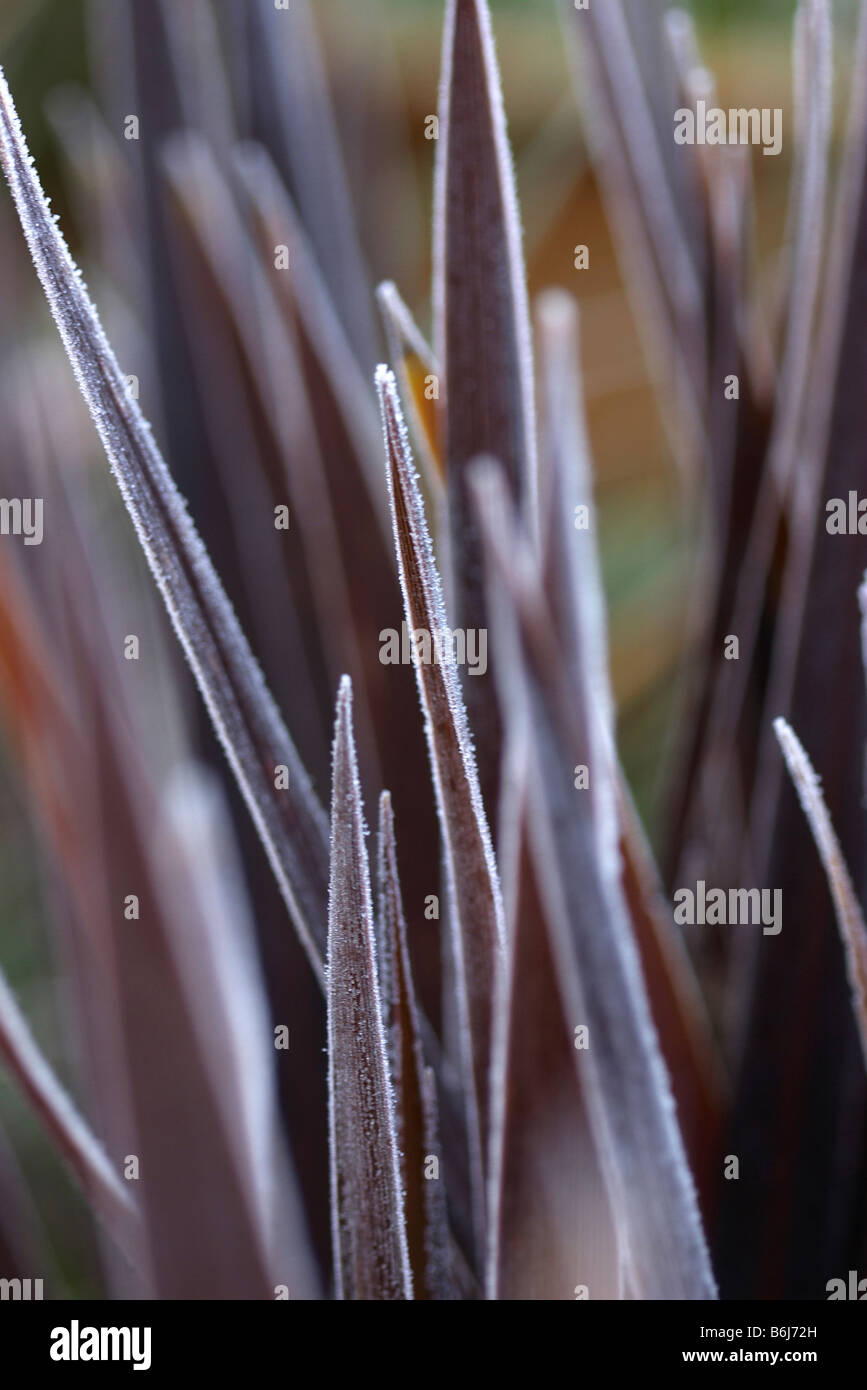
pixel 520 1089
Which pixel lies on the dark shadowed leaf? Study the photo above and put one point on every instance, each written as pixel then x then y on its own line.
pixel 849 915
pixel 371 1258
pixel 799 973
pixel 349 436
pixel 415 1105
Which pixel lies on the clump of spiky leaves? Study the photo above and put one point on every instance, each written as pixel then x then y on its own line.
pixel 527 1099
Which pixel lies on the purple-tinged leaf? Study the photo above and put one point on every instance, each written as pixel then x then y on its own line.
pixel 371 1258
pixel 273 361
pixel 416 1119
pixel 678 1008
pixel 481 316
pixel 475 906
pixel 349 435
pixel 193 42
pixel 551 1226
pixel 735 681
pixel 482 336
pixel 573 576
pixel 213 945
pixel 292 72
pixel 110 1199
pixel 100 184
pixel 850 918
pixel 203 1215
pixel 648 225
pixel 628 1092
pixel 797 974
pixel 306 289
pixel 418 376
pixel 290 822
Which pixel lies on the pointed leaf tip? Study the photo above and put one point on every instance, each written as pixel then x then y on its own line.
pixel 474 890
pixel 291 823
pixel 367 1202
pixel 847 907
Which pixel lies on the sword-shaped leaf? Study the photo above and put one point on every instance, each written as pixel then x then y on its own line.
pixel 482 334
pixel 573 584
pixel 551 1227
pixel 290 822
pixel 628 1091
pixel 349 436
pixel 416 1118
pixel 100 1182
pixel 418 376
pixel 475 906
pixel 371 1258
pixel 290 70
pixel 797 974
pixel 849 915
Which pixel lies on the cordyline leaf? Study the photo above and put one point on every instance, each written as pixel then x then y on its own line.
pixel 849 915
pixel 190 959
pixel 371 1258
pixel 193 43
pixel 481 317
pixel 417 373
pixel 797 975
pixel 303 286
pixel 416 1119
pixel 290 822
pixel 829 448
pixel 274 367
pixel 648 225
pixel 573 585
pixel 748 616
pixel 291 71
pixel 646 23
pixel 628 1092
pixel 475 906
pixel 202 1213
pixel 550 1220
pixel 100 183
pixel 678 1009
pixel 481 326
pixel 214 949
pixel 349 435
pixel 813 103
pixel 571 568
pixel 228 323
pixel 108 1196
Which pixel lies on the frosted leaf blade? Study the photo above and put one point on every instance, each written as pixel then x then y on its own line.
pixel 629 1097
pixel 415 1104
pixel 66 1127
pixel 367 1206
pixel 471 871
pixel 482 337
pixel 850 918
pixel 292 826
